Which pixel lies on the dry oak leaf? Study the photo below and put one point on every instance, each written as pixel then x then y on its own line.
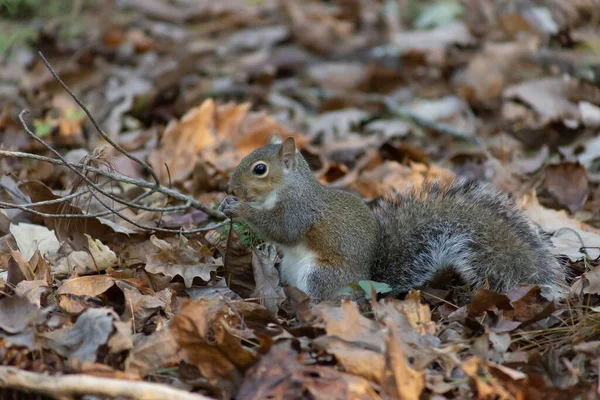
pixel 249 130
pixel 400 381
pixel 151 352
pixel 567 241
pixel 181 260
pixel 568 184
pixel 279 375
pixel 266 277
pixel 82 340
pixel 31 237
pixel 205 127
pixel 98 257
pixel 357 342
pixel 418 315
pixel 212 333
pixel 182 141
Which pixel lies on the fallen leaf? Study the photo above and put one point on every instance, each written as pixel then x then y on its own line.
pixel 279 375
pixel 151 352
pixel 81 341
pixel 180 260
pixel 400 381
pixel 92 285
pixel 567 241
pixel 266 277
pixel 15 313
pixel 31 237
pixel 182 141
pixel 96 258
pixel 568 184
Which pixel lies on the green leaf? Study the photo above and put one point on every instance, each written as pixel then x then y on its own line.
pixel 348 290
pixel 438 14
pixel 42 128
pixel 595 309
pixel 369 286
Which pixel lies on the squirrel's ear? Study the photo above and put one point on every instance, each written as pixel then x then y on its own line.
pixel 275 139
pixel 288 152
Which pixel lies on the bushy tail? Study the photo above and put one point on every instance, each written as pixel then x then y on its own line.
pixel 466 226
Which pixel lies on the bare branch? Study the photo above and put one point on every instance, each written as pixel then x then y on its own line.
pixel 126 179
pixel 78 385
pixel 98 128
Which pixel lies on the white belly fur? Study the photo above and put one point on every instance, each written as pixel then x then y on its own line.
pixel 296 266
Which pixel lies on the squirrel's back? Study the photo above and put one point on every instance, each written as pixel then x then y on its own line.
pixel 469 227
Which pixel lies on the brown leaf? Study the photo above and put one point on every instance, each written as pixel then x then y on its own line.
pixel 266 277
pixel 418 315
pixel 181 260
pixel 400 381
pixel 566 241
pixel 210 332
pixel 279 376
pixel 81 341
pixel 485 299
pixel 92 285
pixel 96 258
pixel 568 184
pixel 151 352
pixel 238 268
pixel 15 312
pixel 142 306
pixel 593 278
pixel 70 230
pixel 182 141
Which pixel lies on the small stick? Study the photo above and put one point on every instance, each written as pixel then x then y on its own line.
pixel 67 386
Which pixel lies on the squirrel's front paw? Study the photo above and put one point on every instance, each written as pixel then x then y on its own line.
pixel 229 205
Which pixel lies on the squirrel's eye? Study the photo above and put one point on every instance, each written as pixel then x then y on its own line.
pixel 260 169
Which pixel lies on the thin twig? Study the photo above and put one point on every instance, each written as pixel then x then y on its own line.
pixel 79 385
pixel 125 179
pixel 100 190
pixel 98 128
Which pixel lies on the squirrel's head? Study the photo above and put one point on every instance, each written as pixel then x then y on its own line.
pixel 261 173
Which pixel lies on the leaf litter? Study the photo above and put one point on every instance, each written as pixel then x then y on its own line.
pixel 192 87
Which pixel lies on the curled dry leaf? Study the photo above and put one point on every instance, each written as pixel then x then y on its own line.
pixel 207 126
pixel 400 380
pixel 81 341
pixel 356 341
pixel 279 375
pixel 151 352
pixel 15 313
pixel 182 141
pixel 266 277
pixel 212 334
pixel 139 307
pixel 485 299
pixel 93 285
pixel 97 257
pixel 181 260
pixel 69 230
pixel 238 268
pixel 31 237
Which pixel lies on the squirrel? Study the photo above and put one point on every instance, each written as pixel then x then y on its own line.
pixel 330 237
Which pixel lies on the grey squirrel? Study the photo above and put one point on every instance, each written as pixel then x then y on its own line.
pixel 330 238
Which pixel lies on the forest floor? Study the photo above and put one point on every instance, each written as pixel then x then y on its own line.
pixel 126 283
